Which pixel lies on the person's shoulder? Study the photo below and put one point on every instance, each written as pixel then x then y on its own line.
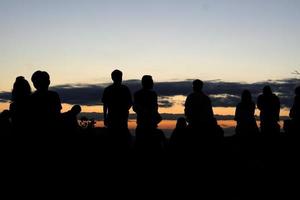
pixel 108 88
pixel 52 93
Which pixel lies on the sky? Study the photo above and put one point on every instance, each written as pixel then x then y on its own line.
pixel 81 42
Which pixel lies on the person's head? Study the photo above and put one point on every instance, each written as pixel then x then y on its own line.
pixel 40 80
pixel 181 123
pixel 5 115
pixel 197 85
pixel 76 109
pixel 147 82
pixel 116 76
pixel 297 91
pixel 21 89
pixel 246 96
pixel 267 90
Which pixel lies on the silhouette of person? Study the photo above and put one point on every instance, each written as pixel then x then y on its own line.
pixel 19 107
pixel 69 120
pixel 244 116
pixel 269 106
pixel 146 108
pixel 179 135
pixel 5 124
pixel 117 101
pixel 295 112
pixel 45 104
pixel 198 108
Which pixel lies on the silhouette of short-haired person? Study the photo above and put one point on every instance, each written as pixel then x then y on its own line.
pixel 45 104
pixel 295 113
pixel 269 105
pixel 5 124
pixel 69 121
pixel 117 101
pixel 19 107
pixel 146 107
pixel 244 116
pixel 198 109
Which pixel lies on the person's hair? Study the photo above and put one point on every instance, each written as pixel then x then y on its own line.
pixel 297 91
pixel 147 82
pixel 21 89
pixel 197 85
pixel 116 76
pixel 246 96
pixel 76 109
pixel 41 80
pixel 267 90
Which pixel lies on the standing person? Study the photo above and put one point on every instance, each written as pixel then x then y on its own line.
pixel 198 109
pixel 117 101
pixel 45 105
pixel 19 108
pixel 295 112
pixel 269 105
pixel 244 116
pixel 146 107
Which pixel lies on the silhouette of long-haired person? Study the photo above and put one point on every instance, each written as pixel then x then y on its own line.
pixel 269 105
pixel 45 105
pixel 19 106
pixel 179 135
pixel 198 109
pixel 146 107
pixel 117 101
pixel 244 116
pixel 295 112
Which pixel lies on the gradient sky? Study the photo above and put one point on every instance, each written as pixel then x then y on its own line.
pixel 82 41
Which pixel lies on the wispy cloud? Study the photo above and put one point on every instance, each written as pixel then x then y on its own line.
pixel 223 94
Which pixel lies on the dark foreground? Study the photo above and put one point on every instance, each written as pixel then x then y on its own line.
pixel 232 167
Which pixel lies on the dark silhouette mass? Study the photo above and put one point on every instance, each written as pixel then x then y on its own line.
pixel 69 121
pixel 146 108
pixel 116 102
pixel 244 116
pixel 292 126
pixel 198 108
pixel 269 105
pixel 45 105
pixel 20 105
pixel 5 124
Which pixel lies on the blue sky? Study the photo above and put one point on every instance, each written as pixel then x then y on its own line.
pixel 83 41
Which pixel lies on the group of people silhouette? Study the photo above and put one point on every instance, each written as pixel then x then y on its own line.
pixel 37 113
pixel 40 111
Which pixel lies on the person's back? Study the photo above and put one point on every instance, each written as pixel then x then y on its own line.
pixel 293 126
pixel 69 121
pixel 5 124
pixel 244 115
pixel 20 105
pixel 295 110
pixel 117 102
pixel 45 104
pixel 269 106
pixel 198 108
pixel 146 106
